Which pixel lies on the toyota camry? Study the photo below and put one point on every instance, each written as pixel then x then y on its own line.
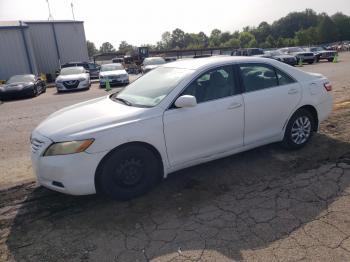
pixel 178 115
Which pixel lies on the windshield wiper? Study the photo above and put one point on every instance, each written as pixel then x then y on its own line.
pixel 126 102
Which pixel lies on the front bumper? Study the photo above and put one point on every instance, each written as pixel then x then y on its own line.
pixel 62 86
pixel 72 174
pixel 114 81
pixel 4 94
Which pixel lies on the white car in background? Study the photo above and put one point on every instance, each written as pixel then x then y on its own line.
pixel 115 73
pixel 73 78
pixel 178 115
pixel 151 63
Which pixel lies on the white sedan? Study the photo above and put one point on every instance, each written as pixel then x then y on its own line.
pixel 114 73
pixel 73 78
pixel 178 115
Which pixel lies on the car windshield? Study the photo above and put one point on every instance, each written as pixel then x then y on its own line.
pixel 111 67
pixel 276 53
pixel 315 49
pixel 295 49
pixel 150 89
pixel 72 70
pixel 21 79
pixel 154 61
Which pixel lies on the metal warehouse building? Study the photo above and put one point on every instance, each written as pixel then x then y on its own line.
pixel 40 46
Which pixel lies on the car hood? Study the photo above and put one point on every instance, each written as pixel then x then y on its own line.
pixel 301 53
pixel 16 86
pixel 284 56
pixel 150 67
pixel 114 73
pixel 82 120
pixel 71 77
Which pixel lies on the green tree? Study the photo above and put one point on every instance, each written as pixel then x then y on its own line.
pixel 124 47
pixel 233 43
pixel 166 40
pixel 178 39
pixel 92 50
pixel 107 47
pixel 342 23
pixel 247 39
pixel 327 30
pixel 214 39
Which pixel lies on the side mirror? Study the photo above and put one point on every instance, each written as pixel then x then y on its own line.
pixel 185 101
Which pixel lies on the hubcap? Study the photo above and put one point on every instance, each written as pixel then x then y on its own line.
pixel 129 172
pixel 301 130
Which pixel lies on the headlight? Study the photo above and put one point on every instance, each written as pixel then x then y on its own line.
pixel 65 148
pixel 82 79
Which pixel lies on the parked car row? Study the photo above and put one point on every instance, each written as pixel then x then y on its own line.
pixel 296 55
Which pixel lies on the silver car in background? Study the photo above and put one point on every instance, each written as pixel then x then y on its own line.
pixel 73 78
pixel 115 73
pixel 151 63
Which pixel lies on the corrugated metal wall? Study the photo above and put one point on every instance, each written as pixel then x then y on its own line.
pixel 13 57
pixel 71 42
pixel 44 47
pixel 45 51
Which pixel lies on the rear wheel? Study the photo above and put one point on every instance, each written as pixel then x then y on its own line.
pixel 299 129
pixel 128 172
pixel 310 62
pixel 330 59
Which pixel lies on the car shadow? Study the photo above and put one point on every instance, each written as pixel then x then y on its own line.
pixel 242 202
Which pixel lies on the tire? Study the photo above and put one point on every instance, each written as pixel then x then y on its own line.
pixel 128 172
pixel 330 59
pixel 35 91
pixel 310 62
pixel 44 89
pixel 299 129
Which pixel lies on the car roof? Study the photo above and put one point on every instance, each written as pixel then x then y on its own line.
pixel 24 75
pixel 111 64
pixel 213 61
pixel 81 67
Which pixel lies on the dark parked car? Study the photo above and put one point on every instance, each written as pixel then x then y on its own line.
pixel 93 69
pixel 22 86
pixel 249 52
pixel 321 53
pixel 279 56
pixel 300 54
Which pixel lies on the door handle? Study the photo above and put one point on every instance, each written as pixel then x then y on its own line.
pixel 235 105
pixel 293 91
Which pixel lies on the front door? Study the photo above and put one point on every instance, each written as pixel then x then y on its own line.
pixel 213 126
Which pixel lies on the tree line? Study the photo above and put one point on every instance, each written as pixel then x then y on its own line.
pixel 295 29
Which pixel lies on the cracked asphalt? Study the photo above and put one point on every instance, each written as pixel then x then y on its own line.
pixel 267 204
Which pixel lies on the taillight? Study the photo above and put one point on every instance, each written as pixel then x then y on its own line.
pixel 328 86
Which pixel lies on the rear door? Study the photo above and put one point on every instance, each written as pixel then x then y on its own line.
pixel 270 96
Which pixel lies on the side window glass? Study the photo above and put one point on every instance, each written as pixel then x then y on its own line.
pixel 92 66
pixel 214 84
pixel 283 78
pixel 258 76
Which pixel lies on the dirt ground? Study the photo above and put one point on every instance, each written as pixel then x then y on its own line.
pixel 267 204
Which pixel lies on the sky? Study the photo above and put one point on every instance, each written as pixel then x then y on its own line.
pixel 143 21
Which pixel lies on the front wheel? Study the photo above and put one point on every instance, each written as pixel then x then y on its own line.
pixel 128 172
pixel 35 91
pixel 299 129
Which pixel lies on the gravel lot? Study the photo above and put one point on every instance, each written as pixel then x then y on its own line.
pixel 267 204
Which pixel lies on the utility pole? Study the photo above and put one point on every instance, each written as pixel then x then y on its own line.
pixel 48 6
pixel 71 5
